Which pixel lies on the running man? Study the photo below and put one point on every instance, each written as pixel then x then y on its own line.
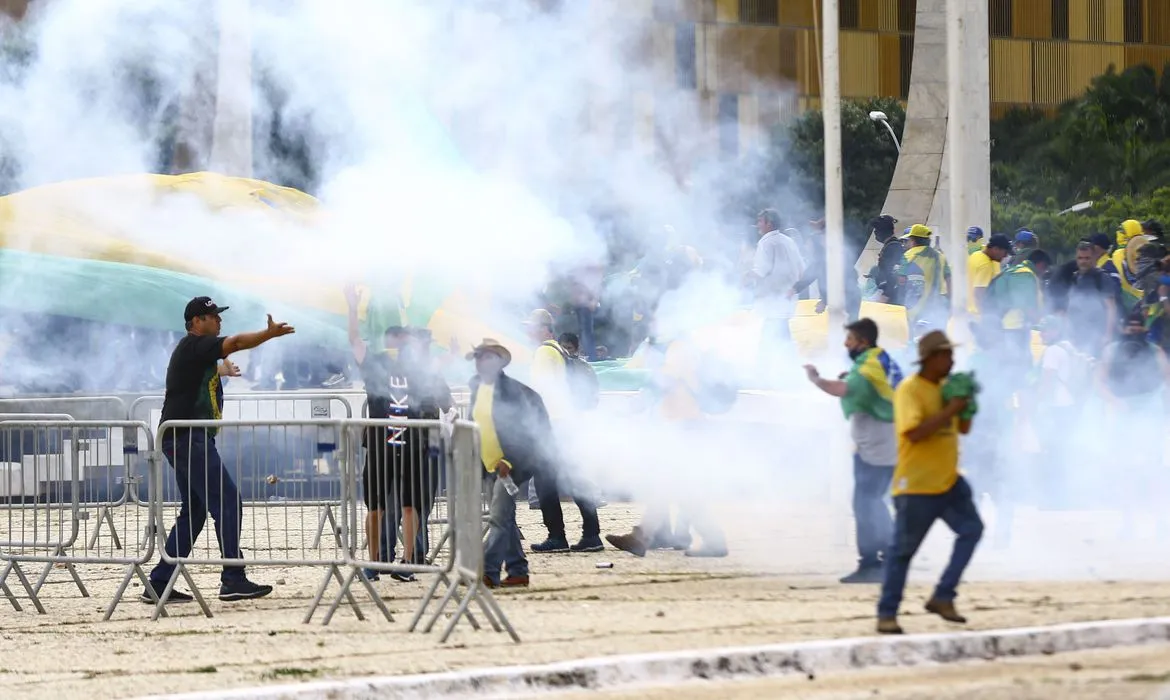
pixel 927 484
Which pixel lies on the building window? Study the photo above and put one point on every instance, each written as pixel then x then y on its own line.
pixel 684 55
pixel 1059 19
pixel 1134 26
pixel 1000 16
pixel 849 12
pixel 759 11
pixel 907 11
pixel 729 125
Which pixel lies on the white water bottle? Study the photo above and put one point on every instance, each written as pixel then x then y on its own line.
pixel 509 485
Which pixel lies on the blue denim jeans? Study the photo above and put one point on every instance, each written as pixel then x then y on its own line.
pixel 914 515
pixel 503 548
pixel 875 527
pixel 204 485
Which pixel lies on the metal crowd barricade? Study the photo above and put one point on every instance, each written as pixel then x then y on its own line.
pixel 465 488
pixel 291 478
pixel 68 467
pixel 275 531
pixel 80 407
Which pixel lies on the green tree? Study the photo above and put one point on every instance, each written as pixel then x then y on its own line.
pixel 868 157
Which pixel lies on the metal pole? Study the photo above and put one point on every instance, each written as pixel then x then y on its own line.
pixel 960 136
pixel 834 190
pixel 894 136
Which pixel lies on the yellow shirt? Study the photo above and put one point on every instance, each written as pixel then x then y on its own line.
pixel 679 371
pixel 490 450
pixel 931 466
pixel 549 380
pixel 980 271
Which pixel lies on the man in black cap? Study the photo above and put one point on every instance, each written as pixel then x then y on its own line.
pixel 889 257
pixel 195 392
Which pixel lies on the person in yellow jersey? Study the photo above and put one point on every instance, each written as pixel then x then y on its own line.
pixel 676 396
pixel 550 378
pixel 927 484
pixel 982 266
pixel 974 240
pixel 1118 266
pixel 515 442
pixel 925 278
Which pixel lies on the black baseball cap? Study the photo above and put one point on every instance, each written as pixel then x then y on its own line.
pixel 201 306
pixel 1000 241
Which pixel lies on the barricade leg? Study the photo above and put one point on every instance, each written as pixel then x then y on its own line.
pixel 356 573
pixel 180 570
pixel 11 598
pixel 14 567
pixel 334 572
pixel 440 579
pixel 60 552
pixel 104 516
pixel 327 518
pixel 131 570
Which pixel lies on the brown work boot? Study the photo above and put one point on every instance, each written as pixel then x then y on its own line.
pixel 514 582
pixel 888 625
pixel 633 543
pixel 945 609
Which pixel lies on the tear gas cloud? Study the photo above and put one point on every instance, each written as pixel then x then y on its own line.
pixel 533 100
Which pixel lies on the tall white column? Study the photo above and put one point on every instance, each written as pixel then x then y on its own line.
pixel 968 144
pixel 231 140
pixel 834 190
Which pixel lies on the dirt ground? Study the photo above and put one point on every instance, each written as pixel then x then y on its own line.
pixel 779 585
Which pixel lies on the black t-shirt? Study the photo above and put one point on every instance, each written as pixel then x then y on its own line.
pixel 399 388
pixel 194 390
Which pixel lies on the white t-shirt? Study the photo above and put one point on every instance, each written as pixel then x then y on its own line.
pixel 1058 359
pixel 779 265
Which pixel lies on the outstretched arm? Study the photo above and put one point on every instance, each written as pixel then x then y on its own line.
pixel 247 341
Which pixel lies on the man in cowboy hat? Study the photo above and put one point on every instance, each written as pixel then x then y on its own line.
pixel 516 441
pixel 927 485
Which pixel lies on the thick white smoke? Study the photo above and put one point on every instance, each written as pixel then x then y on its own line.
pixel 552 128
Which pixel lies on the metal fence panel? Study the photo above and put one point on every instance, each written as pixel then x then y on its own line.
pixel 64 498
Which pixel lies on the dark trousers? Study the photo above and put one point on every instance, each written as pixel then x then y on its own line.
pixel 392 517
pixel 914 515
pixel 204 485
pixel 554 517
pixel 585 333
pixel 871 486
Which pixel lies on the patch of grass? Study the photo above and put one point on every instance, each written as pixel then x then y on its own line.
pixel 293 672
pixel 1149 678
pixel 205 669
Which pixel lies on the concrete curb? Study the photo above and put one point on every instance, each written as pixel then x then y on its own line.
pixel 807 658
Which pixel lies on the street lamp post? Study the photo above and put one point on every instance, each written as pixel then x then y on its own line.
pixel 883 119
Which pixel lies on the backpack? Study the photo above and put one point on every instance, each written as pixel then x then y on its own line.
pixel 583 384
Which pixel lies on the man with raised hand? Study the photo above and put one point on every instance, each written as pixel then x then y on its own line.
pixel 866 394
pixel 195 392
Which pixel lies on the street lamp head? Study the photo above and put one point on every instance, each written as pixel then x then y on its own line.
pixel 878 116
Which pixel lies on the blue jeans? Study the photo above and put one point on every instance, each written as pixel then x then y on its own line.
pixel 204 485
pixel 914 514
pixel 871 485
pixel 588 346
pixel 503 548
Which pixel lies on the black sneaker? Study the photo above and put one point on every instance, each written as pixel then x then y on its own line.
pixel 403 576
pixel 551 546
pixel 588 544
pixel 866 574
pixel 242 590
pixel 176 596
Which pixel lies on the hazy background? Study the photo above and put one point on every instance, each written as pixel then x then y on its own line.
pixel 483 143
